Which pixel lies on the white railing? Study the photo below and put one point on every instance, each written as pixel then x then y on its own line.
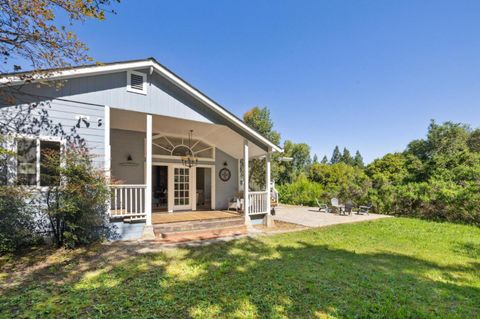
pixel 258 202
pixel 127 201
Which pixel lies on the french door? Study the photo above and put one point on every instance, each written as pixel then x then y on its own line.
pixel 181 188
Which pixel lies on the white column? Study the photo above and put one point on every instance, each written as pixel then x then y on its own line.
pixel 267 181
pixel 108 149
pixel 246 204
pixel 193 187
pixel 148 173
pixel 170 197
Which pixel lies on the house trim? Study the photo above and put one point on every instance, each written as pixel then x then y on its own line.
pixel 15 79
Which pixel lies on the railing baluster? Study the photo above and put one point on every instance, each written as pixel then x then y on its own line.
pixel 128 201
pixel 130 191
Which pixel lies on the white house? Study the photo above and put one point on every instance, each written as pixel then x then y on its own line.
pixel 172 148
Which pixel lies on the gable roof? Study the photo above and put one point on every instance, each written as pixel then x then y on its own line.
pixel 154 66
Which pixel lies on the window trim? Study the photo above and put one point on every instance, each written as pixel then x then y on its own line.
pixel 37 140
pixel 129 82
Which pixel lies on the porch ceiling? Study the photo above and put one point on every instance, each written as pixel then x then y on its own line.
pixel 214 134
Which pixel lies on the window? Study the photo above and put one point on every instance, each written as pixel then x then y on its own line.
pixel 167 146
pixel 136 82
pixel 37 162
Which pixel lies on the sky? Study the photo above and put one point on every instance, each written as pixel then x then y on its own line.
pixel 366 75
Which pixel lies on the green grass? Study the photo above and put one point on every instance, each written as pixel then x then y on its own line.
pixel 384 269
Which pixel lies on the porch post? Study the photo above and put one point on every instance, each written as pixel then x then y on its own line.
pixel 107 166
pixel 246 204
pixel 268 181
pixel 148 173
pixel 108 149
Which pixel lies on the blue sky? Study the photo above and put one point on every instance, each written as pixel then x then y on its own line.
pixel 368 75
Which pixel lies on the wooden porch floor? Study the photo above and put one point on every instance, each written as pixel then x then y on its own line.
pixel 163 218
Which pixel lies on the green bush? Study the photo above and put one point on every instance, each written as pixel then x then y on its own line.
pixel 17 222
pixel 76 201
pixel 301 192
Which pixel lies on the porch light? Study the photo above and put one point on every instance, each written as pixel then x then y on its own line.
pixel 189 160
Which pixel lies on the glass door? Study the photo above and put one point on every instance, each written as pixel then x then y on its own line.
pixel 181 186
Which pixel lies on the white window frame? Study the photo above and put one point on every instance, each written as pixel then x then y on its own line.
pixel 129 82
pixel 37 140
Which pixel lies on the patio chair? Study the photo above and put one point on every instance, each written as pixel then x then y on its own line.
pixel 336 205
pixel 348 208
pixel 234 203
pixel 364 210
pixel 322 207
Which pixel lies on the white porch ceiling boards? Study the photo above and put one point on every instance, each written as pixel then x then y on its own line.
pixel 216 135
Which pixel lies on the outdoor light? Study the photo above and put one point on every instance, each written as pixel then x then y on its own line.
pixel 189 160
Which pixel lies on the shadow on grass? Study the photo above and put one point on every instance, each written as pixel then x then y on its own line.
pixel 243 278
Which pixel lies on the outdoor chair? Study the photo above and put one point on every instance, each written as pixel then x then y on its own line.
pixel 364 210
pixel 235 204
pixel 322 207
pixel 348 208
pixel 336 205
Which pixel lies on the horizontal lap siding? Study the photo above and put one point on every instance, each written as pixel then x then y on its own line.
pixel 64 113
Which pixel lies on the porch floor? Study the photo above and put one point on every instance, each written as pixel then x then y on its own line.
pixel 163 218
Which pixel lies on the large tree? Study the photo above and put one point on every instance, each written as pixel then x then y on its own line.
pixel 358 160
pixel 336 156
pixel 38 34
pixel 300 154
pixel 260 120
pixel 347 157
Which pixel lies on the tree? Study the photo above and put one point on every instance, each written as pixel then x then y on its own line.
pixel 260 120
pixel 289 171
pixel 315 159
pixel 340 180
pixel 31 31
pixel 346 157
pixel 473 141
pixel 336 156
pixel 324 160
pixel 358 160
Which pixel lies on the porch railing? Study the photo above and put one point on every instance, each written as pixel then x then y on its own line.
pixel 127 201
pixel 258 202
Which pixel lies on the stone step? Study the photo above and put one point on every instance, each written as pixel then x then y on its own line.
pixel 201 234
pixel 198 225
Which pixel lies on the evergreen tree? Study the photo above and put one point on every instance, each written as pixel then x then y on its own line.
pixel 336 156
pixel 346 157
pixel 315 159
pixel 324 160
pixel 358 160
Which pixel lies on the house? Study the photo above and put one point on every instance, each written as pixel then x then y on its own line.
pixel 173 150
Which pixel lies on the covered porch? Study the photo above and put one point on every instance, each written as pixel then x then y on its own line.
pixel 151 184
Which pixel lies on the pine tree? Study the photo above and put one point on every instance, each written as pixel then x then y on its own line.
pixel 336 156
pixel 358 160
pixel 324 160
pixel 315 159
pixel 346 157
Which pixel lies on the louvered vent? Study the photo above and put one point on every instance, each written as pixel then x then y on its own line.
pixel 136 82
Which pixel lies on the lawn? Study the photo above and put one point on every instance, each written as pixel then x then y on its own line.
pixel 387 268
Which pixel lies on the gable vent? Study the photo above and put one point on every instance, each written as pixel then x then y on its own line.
pixel 136 82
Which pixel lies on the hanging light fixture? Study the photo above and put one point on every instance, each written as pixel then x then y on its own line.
pixel 189 160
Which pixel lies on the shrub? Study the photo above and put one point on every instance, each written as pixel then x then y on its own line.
pixel 340 180
pixel 17 220
pixel 301 192
pixel 76 201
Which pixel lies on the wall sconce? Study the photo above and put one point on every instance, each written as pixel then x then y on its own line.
pixel 129 161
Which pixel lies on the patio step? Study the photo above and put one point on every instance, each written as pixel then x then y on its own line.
pixel 199 229
pixel 198 224
pixel 201 234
